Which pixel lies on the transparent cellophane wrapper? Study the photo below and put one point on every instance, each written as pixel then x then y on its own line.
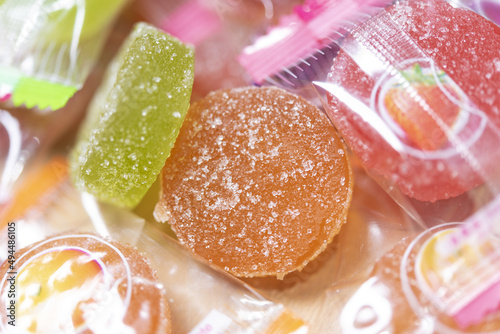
pixel 370 65
pixel 415 96
pixel 50 64
pixel 420 116
pixel 412 87
pixel 48 48
pixel 486 8
pixel 444 280
pixel 200 297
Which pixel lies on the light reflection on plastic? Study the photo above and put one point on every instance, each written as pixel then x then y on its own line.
pixel 367 311
pixel 92 208
pixel 272 38
pixel 11 125
pixel 214 322
pixel 77 30
pixel 268 8
pixel 365 112
pixel 477 230
pixel 489 9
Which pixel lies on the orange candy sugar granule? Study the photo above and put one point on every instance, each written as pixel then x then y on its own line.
pixel 258 181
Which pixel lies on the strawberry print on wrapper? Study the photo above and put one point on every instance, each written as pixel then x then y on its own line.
pixel 427 111
pixel 417 118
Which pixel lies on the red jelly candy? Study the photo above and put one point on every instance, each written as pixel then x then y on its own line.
pixel 425 78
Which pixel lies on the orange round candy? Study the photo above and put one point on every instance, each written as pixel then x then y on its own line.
pixel 258 181
pixel 81 283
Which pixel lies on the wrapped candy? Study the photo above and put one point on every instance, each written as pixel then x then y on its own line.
pixel 47 52
pixel 199 296
pixel 412 90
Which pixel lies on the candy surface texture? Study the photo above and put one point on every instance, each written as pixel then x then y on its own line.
pixel 258 182
pixel 135 118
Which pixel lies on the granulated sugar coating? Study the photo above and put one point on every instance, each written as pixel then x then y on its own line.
pixel 257 183
pixel 135 118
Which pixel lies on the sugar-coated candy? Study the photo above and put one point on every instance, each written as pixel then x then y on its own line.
pixel 258 182
pixel 135 118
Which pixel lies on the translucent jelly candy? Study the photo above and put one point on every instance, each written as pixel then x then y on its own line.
pixel 82 283
pixel 135 118
pixel 431 74
pixel 258 182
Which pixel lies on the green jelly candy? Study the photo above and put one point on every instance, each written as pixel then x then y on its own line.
pixel 135 118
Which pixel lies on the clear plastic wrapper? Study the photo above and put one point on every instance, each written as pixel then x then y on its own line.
pixel 420 114
pixel 91 283
pixel 443 281
pixel 302 46
pixel 33 185
pixel 199 296
pixel 47 52
pixel 413 91
pixel 27 135
pixel 48 48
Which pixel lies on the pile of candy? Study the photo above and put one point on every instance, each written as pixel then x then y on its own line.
pixel 262 166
